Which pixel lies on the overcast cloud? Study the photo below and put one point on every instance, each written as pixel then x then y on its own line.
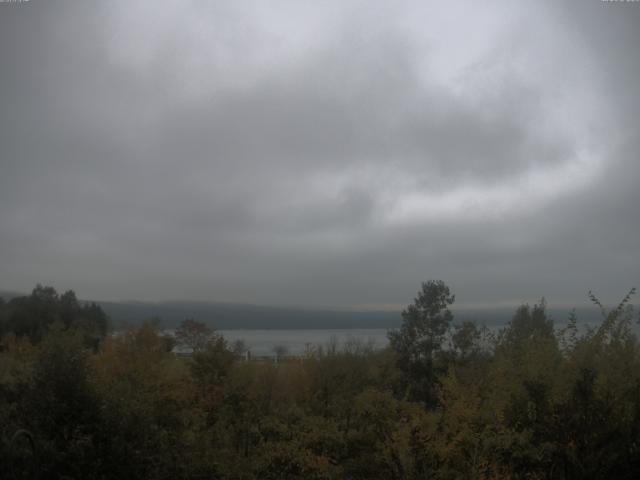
pixel 320 153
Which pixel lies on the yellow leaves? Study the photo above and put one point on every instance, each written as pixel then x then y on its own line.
pixel 135 368
pixel 291 460
pixel 17 360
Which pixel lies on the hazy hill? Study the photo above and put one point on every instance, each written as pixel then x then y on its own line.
pixel 8 295
pixel 225 316
pixel 235 316
pixel 230 316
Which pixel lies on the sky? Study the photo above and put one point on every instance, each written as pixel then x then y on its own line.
pixel 333 153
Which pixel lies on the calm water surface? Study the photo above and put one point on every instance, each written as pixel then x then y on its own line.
pixel 296 342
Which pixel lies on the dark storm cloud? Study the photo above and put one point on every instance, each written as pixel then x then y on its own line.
pixel 332 154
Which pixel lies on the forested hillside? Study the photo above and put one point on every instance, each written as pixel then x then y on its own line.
pixel 229 316
pixel 445 400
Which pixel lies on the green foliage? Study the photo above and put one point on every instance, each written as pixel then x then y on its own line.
pixel 442 402
pixel 419 341
pixel 66 405
pixel 528 325
pixel 32 315
pixel 3 317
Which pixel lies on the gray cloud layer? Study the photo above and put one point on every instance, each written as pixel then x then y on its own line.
pixel 320 154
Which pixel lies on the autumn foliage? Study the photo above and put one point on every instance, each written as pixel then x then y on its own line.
pixel 443 401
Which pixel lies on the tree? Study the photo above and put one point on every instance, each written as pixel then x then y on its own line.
pixel 61 407
pixel 466 340
pixel 212 363
pixel 239 347
pixel 3 318
pixel 280 351
pixel 193 335
pixel 418 342
pixel 529 324
pixel 33 315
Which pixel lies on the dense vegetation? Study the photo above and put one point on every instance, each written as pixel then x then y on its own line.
pixel 444 401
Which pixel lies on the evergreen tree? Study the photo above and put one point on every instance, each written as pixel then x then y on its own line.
pixel 418 343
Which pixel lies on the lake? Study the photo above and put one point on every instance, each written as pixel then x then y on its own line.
pixel 263 342
pixel 297 342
